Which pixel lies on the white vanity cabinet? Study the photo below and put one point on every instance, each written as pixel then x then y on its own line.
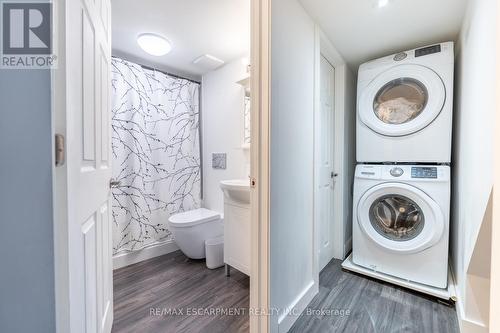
pixel 237 224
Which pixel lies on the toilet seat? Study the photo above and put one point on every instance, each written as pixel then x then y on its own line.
pixel 193 217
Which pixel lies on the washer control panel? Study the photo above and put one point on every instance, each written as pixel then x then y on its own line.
pixel 403 172
pixel 396 172
pixel 424 172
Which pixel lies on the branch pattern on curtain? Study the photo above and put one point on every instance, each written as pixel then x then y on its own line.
pixel 156 151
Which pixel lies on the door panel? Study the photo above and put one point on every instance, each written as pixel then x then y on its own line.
pixel 104 267
pixel 104 90
pixel 89 269
pixel 325 162
pixel 88 63
pixel 89 132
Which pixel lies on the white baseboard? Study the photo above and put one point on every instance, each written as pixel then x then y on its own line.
pixel 287 319
pixel 128 258
pixel 467 325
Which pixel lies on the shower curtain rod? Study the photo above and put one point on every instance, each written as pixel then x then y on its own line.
pixel 164 72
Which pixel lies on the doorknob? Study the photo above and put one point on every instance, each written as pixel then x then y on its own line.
pixel 114 183
pixel 332 175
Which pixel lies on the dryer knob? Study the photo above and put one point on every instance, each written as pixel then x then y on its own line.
pixel 396 172
pixel 400 56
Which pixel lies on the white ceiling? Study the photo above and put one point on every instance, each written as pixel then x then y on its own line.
pixel 361 31
pixel 195 27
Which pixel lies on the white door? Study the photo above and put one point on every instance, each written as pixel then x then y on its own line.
pixel 88 65
pixel 324 162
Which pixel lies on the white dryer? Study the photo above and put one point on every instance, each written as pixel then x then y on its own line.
pixel 401 221
pixel 404 106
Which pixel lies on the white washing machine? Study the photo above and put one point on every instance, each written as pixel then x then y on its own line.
pixel 404 106
pixel 401 221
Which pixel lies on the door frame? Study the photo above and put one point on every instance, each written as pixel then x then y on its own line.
pixel 494 306
pixel 59 176
pixel 260 105
pixel 260 161
pixel 323 47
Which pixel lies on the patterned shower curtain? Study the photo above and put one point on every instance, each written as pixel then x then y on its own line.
pixel 156 151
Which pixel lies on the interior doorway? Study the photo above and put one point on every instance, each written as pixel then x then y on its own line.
pixel 334 119
pixel 325 162
pixel 85 80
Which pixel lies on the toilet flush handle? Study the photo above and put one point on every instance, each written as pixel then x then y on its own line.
pixel 114 183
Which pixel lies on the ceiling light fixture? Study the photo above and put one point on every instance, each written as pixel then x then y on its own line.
pixel 154 44
pixel 382 3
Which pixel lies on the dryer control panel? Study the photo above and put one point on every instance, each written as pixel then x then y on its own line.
pixel 424 172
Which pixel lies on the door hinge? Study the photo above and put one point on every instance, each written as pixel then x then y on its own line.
pixel 59 150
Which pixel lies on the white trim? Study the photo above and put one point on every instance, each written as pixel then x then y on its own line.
pixel 465 324
pixel 59 176
pixel 293 311
pixel 316 111
pixel 126 258
pixel 494 306
pixel 259 162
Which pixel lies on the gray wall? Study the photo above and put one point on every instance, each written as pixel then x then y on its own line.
pixel 292 106
pixel 26 236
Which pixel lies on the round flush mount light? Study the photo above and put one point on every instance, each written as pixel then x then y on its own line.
pixel 382 3
pixel 154 44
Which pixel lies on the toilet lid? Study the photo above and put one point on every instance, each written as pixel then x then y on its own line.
pixel 193 217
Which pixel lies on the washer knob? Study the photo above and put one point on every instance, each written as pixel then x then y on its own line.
pixel 396 172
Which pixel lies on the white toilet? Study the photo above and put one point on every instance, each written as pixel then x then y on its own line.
pixel 192 228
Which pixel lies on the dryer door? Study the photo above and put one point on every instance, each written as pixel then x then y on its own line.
pixel 402 100
pixel 400 218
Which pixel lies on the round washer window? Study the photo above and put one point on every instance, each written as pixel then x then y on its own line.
pixel 400 101
pixel 396 217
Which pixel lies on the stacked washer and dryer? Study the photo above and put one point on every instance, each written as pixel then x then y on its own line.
pixel 401 198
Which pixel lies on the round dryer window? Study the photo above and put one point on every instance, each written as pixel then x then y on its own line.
pixel 396 217
pixel 400 101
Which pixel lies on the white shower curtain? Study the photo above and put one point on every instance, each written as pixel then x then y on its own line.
pixel 155 142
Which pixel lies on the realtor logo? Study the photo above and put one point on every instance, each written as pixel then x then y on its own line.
pixel 27 35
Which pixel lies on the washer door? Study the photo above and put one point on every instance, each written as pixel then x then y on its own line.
pixel 402 100
pixel 400 218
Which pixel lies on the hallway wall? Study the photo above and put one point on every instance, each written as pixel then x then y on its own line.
pixel 474 117
pixel 26 241
pixel 292 104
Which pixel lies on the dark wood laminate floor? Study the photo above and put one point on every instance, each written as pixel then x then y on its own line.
pixel 149 297
pixel 373 306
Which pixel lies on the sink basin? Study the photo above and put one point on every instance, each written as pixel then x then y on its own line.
pixel 236 190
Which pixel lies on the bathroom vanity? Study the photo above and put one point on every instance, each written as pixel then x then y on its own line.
pixel 236 224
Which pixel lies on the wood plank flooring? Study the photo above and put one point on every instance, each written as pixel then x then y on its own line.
pixel 146 291
pixel 373 306
pixel 154 296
